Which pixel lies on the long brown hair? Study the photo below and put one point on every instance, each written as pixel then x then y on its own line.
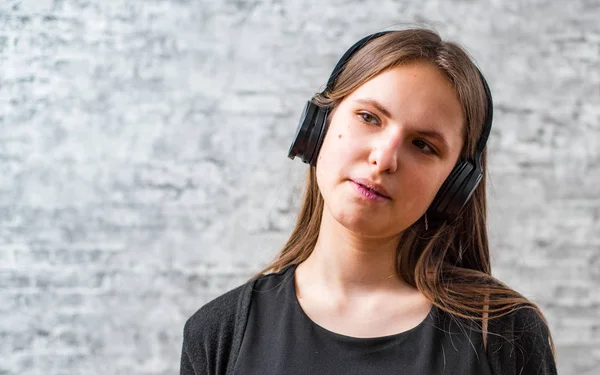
pixel 449 264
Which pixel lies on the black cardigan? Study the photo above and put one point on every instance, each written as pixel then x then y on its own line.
pixel 213 335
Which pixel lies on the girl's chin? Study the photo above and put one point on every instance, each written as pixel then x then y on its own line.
pixel 367 222
pixel 364 224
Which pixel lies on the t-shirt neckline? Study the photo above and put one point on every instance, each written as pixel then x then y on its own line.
pixel 427 321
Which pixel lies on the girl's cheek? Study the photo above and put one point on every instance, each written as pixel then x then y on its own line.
pixel 345 147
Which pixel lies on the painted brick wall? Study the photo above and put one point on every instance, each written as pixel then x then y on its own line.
pixel 143 166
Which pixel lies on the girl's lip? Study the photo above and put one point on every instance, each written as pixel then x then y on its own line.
pixel 368 193
pixel 377 188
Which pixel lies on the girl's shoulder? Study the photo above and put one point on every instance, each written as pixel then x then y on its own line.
pixel 219 311
pixel 519 343
pixel 212 332
pixel 212 335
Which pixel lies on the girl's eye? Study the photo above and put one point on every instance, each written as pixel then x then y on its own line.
pixel 424 146
pixel 368 118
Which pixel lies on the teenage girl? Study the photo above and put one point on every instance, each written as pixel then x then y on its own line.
pixel 387 270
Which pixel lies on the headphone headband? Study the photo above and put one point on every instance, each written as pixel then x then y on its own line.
pixel 489 115
pixel 341 64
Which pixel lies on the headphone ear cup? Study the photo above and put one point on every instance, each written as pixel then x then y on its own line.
pixel 310 133
pixel 455 191
pixel 319 136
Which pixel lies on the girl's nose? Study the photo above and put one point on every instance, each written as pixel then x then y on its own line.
pixel 384 156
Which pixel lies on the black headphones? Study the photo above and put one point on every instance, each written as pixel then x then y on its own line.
pixel 454 192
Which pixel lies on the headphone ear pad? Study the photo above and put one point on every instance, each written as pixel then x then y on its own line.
pixel 455 191
pixel 310 133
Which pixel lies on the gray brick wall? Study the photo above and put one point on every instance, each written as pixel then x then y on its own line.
pixel 143 166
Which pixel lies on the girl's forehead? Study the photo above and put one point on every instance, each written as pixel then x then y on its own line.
pixel 415 76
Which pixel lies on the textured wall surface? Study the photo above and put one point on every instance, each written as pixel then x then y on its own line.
pixel 144 170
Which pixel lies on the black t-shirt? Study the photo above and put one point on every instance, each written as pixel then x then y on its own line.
pixel 259 328
pixel 281 339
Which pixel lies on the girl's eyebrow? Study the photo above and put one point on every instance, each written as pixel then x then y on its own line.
pixel 425 133
pixel 435 135
pixel 375 104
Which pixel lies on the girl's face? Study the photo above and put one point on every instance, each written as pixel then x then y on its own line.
pixel 403 131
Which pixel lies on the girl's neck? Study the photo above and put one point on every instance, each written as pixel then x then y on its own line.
pixel 348 263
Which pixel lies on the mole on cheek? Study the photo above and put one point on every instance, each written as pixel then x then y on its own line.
pixel 339 136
